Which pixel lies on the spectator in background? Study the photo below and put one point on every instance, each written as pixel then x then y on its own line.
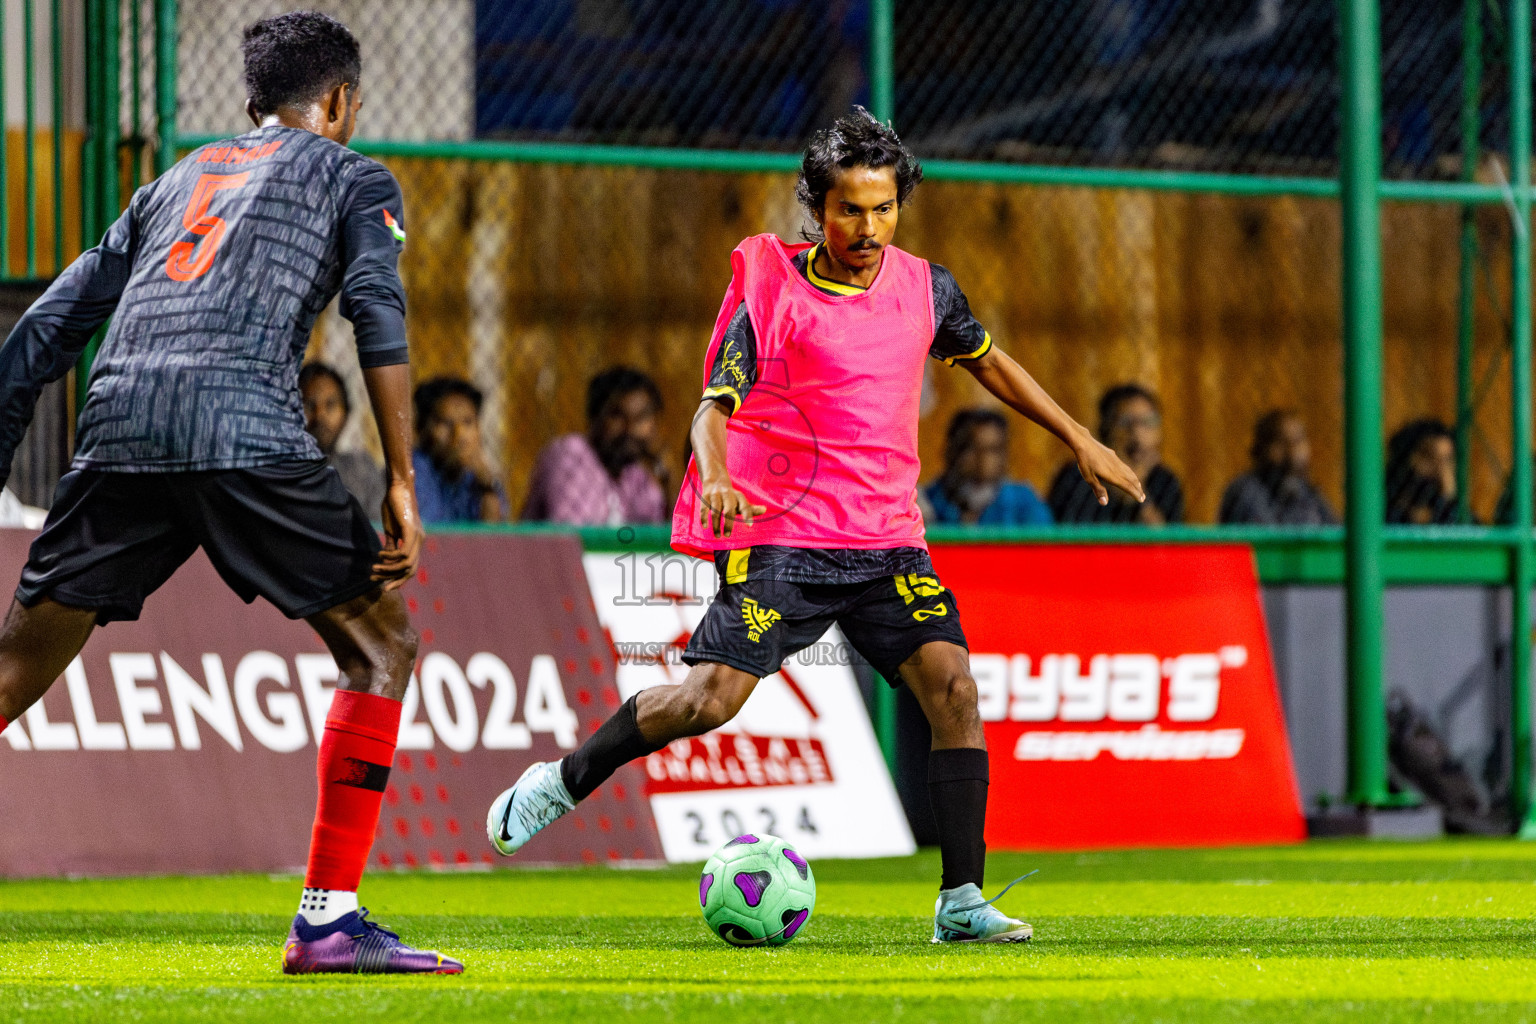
pixel 1278 491
pixel 1130 422
pixel 454 483
pixel 610 475
pixel 975 489
pixel 326 411
pixel 1421 474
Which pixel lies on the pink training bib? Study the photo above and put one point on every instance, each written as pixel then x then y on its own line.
pixel 827 438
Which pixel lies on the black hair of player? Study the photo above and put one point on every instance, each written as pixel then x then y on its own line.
pixel 962 430
pixel 297 58
pixel 430 394
pixel 858 139
pixel 314 369
pixel 617 382
pixel 1111 401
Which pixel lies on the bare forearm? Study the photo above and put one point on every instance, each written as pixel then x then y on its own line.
pixel 708 436
pixel 1099 465
pixel 1011 383
pixel 389 390
pixel 721 505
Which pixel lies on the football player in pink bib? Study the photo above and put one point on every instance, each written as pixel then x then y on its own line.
pixel 803 489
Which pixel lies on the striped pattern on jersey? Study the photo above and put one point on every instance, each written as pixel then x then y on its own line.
pixel 236 251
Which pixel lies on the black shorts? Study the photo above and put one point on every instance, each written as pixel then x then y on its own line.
pixel 755 625
pixel 290 533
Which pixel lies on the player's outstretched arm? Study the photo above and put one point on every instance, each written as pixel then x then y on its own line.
pixel 1098 463
pixel 389 389
pixel 50 336
pixel 721 505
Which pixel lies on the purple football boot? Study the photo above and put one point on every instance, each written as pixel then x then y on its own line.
pixel 355 945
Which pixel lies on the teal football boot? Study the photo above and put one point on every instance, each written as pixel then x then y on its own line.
pixel 536 799
pixel 963 915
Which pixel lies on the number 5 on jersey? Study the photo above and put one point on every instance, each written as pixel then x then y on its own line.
pixel 188 260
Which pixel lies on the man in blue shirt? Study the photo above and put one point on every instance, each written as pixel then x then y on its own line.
pixel 975 489
pixel 454 483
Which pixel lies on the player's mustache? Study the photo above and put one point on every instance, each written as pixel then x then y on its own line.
pixel 863 244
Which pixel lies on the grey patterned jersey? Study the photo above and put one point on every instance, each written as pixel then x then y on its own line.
pixel 216 272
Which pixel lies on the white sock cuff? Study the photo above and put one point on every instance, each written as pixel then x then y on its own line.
pixel 322 906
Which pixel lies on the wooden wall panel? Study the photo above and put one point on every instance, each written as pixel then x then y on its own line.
pixel 531 278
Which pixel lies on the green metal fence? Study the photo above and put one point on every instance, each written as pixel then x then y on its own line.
pixel 1335 114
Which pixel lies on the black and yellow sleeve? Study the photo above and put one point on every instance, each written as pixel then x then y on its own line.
pixel 734 370
pixel 958 336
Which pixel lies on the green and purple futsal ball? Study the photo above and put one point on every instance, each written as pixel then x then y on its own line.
pixel 757 890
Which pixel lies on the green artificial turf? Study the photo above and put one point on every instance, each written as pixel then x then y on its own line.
pixel 1327 931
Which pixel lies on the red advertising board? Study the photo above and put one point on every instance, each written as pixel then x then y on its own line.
pixel 1128 694
pixel 185 742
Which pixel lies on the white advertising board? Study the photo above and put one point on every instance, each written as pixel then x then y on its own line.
pixel 800 761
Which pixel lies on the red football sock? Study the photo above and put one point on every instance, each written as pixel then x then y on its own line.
pixel 3 723
pixel 355 755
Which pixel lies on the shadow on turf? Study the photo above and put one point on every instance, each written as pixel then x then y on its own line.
pixel 1464 860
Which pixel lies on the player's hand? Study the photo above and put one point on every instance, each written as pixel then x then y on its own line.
pixel 402 537
pixel 1100 466
pixel 723 506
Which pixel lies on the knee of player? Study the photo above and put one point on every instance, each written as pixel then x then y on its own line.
pixel 407 641
pixel 957 695
pixel 708 711
pixel 392 655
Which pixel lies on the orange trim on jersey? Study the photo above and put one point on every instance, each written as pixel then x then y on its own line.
pixel 237 154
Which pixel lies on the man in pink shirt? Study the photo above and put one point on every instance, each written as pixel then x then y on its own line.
pixel 803 490
pixel 610 475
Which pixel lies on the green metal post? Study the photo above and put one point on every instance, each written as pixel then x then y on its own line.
pixel 1520 399
pixel 1471 131
pixel 885 720
pixel 100 167
pixel 882 59
pixel 165 84
pixel 111 109
pixel 56 37
pixel 135 76
pixel 90 171
pixel 29 93
pixel 882 101
pixel 1359 178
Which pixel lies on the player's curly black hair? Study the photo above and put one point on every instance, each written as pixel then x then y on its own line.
pixel 297 58
pixel 856 140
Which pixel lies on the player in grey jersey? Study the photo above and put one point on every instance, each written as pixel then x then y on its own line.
pixel 192 435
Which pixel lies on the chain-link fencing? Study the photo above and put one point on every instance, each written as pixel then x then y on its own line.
pixel 527 278
pixel 1218 85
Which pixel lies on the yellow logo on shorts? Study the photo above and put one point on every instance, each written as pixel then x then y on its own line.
pixel 759 620
pixel 911 586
